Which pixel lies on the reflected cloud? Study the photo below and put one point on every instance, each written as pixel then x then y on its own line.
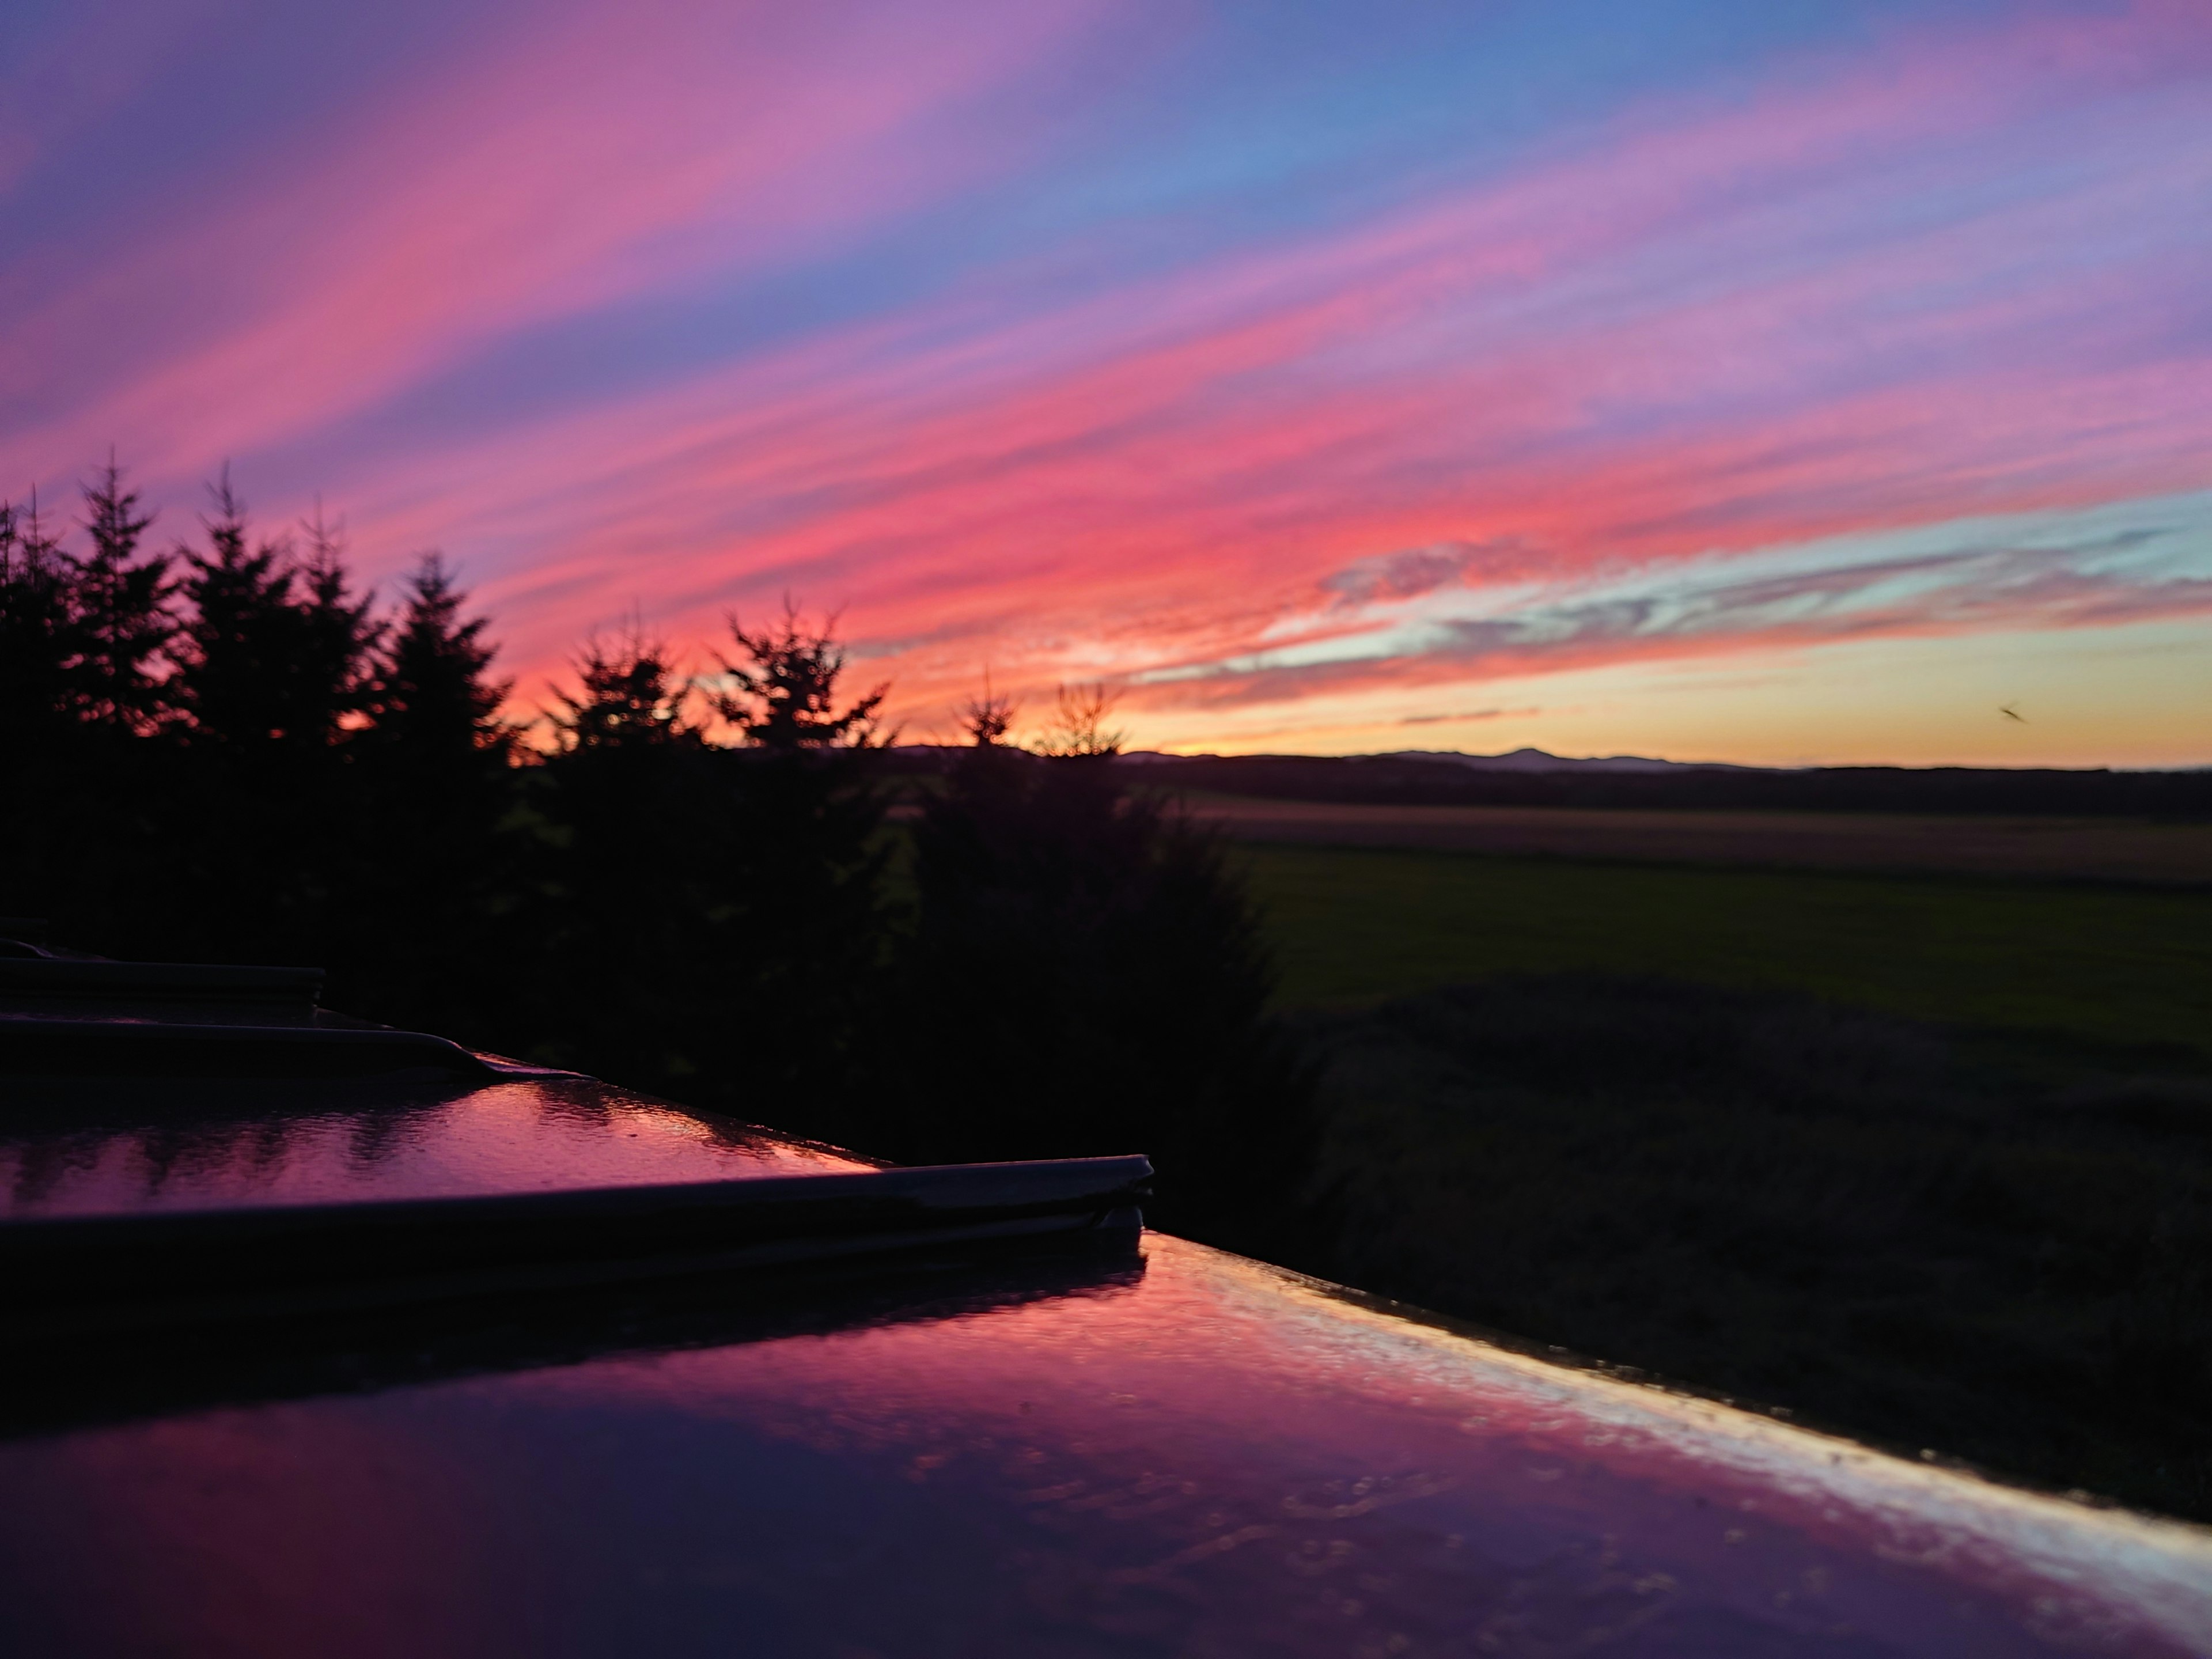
pixel 1213 1455
pixel 235 1144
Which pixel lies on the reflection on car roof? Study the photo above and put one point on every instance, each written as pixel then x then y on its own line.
pixel 466 1358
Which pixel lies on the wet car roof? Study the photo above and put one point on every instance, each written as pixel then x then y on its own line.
pixel 1190 1453
pixel 274 1388
pixel 74 1148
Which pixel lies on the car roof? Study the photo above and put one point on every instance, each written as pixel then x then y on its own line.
pixel 391 1354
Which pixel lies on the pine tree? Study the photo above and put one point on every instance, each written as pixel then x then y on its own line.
pixel 708 922
pixel 122 615
pixel 782 691
pixel 38 639
pixel 628 697
pixel 621 913
pixel 339 638
pixel 784 839
pixel 90 809
pixel 425 911
pixel 430 704
pixel 239 650
pixel 270 662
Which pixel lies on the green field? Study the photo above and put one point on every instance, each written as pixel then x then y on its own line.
pixel 1922 1160
pixel 2102 964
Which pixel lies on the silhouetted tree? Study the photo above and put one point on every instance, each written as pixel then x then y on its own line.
pixel 271 656
pixel 238 650
pixel 806 851
pixel 628 697
pixel 987 717
pixel 89 804
pixel 431 705
pixel 340 638
pixel 624 916
pixel 38 641
pixel 781 689
pixel 122 616
pixel 709 921
pixel 1078 723
pixel 1086 976
pixel 428 894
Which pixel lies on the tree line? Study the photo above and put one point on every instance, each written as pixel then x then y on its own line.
pixel 730 892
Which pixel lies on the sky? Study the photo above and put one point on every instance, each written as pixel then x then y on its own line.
pixel 1767 380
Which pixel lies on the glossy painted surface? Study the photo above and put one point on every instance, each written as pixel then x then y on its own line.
pixel 122 1146
pixel 1204 1456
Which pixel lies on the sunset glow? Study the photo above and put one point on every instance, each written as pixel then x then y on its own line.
pixel 1776 383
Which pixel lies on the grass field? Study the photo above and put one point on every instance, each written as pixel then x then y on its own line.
pixel 1767 1197
pixel 2105 964
pixel 2127 850
pixel 1921 1158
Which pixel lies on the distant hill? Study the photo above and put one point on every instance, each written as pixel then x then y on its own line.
pixel 1530 777
pixel 1540 760
pixel 1533 777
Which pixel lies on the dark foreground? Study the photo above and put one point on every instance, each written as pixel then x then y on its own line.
pixel 1983 1244
pixel 325 1340
pixel 1184 1453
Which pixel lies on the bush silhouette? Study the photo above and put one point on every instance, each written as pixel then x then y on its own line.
pixel 1085 977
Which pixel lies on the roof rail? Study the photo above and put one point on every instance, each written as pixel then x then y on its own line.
pixel 184 1267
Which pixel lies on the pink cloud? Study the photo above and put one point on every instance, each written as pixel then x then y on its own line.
pixel 595 156
pixel 1943 280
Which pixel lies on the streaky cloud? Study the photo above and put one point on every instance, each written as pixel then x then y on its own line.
pixel 1090 380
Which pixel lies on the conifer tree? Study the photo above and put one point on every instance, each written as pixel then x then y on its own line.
pixel 338 639
pixel 790 859
pixel 122 618
pixel 782 688
pixel 431 705
pixel 38 637
pixel 272 656
pixel 269 662
pixel 708 921
pixel 239 650
pixel 628 697
pixel 624 915
pixel 426 908
pixel 89 807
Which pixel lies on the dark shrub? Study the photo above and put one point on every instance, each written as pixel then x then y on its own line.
pixel 1086 977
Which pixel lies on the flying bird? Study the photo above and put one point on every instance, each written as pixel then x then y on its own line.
pixel 2006 711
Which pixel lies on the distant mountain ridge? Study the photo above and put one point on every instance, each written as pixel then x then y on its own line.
pixel 1534 777
pixel 1526 759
